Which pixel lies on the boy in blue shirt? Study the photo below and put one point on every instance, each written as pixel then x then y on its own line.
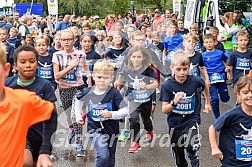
pixel 214 62
pixel 180 101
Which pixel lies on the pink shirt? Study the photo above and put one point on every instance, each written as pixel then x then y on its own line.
pixel 73 77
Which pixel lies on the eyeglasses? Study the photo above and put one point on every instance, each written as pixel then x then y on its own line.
pixel 66 39
pixel 140 40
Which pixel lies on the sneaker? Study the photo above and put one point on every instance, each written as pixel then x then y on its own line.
pixel 134 147
pixel 71 136
pixel 149 135
pixel 124 135
pixel 80 152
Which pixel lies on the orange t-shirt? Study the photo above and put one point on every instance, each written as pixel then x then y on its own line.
pixel 19 110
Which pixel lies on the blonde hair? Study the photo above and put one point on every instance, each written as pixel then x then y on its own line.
pixel 242 82
pixel 14 29
pixel 76 32
pixel 214 29
pixel 100 33
pixel 179 58
pixel 193 26
pixel 136 33
pixel 3 58
pixel 44 37
pixel 104 66
pixel 190 35
pixel 230 20
pixel 122 44
pixel 156 34
pixel 242 33
pixel 67 31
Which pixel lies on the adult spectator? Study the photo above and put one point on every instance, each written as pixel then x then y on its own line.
pixel 97 20
pixel 16 19
pixel 157 18
pixel 110 21
pixel 2 20
pixel 167 15
pixel 140 20
pixel 9 24
pixel 64 24
pixel 22 27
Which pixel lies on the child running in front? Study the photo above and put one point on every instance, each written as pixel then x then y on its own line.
pixel 215 62
pixel 180 101
pixel 141 83
pixel 235 128
pixel 67 65
pixel 104 107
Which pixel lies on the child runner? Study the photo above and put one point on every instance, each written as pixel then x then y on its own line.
pixel 235 129
pixel 239 61
pixel 215 62
pixel 149 38
pixel 45 65
pixel 179 96
pixel 56 46
pixel 9 47
pixel 194 30
pixel 13 38
pixel 38 140
pixel 115 52
pixel 28 40
pixel 20 109
pixel 68 64
pixel 141 83
pixel 105 106
pixel 101 45
pixel 181 29
pixel 171 42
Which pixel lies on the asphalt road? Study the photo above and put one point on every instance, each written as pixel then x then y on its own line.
pixel 157 154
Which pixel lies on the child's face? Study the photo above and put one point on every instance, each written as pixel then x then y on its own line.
pixel 57 40
pixel 209 44
pixel 190 43
pixel 155 40
pixel 193 31
pixel 13 33
pixel 172 29
pixel 26 64
pixel 28 41
pixel 118 27
pixel 143 29
pixel 242 41
pixel 137 59
pixel 47 32
pixel 215 34
pixel 102 81
pixel 86 43
pixel 41 46
pixel 180 72
pixel 3 35
pixel 117 39
pixel 85 29
pixel 100 37
pixel 148 32
pixel 67 41
pixel 245 95
pixel 138 40
pixel 180 24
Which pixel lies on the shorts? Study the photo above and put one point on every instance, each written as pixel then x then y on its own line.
pixel 34 148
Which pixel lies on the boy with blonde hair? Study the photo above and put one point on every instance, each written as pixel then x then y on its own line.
pixel 180 101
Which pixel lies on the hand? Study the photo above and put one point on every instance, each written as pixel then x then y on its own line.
pixel 117 85
pixel 216 153
pixel 89 82
pixel 74 62
pixel 178 96
pixel 207 108
pixel 227 69
pixel 229 76
pixel 44 161
pixel 224 19
pixel 80 122
pixel 106 114
pixel 143 85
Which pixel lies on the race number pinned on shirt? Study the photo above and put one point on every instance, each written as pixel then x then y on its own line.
pixel 96 109
pixel 217 77
pixel 186 105
pixel 45 72
pixel 194 70
pixel 141 95
pixel 243 150
pixel 119 59
pixel 70 77
pixel 243 64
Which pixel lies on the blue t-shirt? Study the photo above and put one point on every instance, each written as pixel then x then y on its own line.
pixel 196 62
pixel 134 78
pixel 44 90
pixel 233 125
pixel 214 61
pixel 168 90
pixel 111 97
pixel 45 69
pixel 172 42
pixel 241 63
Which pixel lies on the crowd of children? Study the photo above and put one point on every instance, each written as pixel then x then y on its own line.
pixel 115 75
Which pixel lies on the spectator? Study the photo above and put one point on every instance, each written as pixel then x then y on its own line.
pixel 157 18
pixel 16 19
pixel 2 20
pixel 140 20
pixel 110 21
pixel 9 24
pixel 97 21
pixel 64 24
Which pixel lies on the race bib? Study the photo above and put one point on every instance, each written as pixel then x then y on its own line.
pixel 141 95
pixel 243 64
pixel 70 77
pixel 243 150
pixel 96 109
pixel 45 72
pixel 217 77
pixel 186 105
pixel 169 56
pixel 119 60
pixel 194 71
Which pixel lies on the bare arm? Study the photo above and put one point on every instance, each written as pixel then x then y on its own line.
pixel 216 152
